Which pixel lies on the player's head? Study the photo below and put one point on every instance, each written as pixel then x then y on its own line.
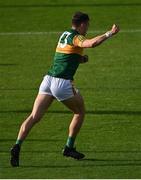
pixel 80 21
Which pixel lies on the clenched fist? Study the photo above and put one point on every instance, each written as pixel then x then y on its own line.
pixel 83 59
pixel 115 29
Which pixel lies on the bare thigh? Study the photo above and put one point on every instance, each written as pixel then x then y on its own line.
pixel 75 104
pixel 41 104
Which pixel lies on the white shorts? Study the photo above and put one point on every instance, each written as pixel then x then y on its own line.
pixel 61 89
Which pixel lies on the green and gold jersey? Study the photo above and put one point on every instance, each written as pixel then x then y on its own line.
pixel 67 55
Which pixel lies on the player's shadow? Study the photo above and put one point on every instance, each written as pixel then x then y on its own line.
pixel 7 64
pixel 87 162
pixel 92 163
pixel 114 112
pixel 32 140
pixel 96 112
pixel 98 162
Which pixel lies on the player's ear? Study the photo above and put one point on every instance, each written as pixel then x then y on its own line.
pixel 82 24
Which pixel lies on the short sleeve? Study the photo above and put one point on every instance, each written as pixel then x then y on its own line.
pixel 78 40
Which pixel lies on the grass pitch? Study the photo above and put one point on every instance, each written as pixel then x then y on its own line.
pixel 110 84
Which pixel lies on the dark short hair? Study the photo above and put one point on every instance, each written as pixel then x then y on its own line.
pixel 79 17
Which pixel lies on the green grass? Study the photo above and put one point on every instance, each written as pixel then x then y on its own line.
pixel 110 84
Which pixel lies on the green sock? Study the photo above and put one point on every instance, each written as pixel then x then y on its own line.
pixel 70 142
pixel 19 142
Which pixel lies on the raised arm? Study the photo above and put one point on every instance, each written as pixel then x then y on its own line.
pixel 91 43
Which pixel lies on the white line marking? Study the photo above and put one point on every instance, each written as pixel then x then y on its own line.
pixel 59 32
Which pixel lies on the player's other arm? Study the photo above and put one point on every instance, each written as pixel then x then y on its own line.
pixel 91 43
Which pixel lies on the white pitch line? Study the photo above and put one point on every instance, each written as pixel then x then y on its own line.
pixel 28 33
pixel 59 32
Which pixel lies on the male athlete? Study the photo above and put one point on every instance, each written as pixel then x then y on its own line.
pixel 58 83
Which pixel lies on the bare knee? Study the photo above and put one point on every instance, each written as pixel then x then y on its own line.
pixel 80 115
